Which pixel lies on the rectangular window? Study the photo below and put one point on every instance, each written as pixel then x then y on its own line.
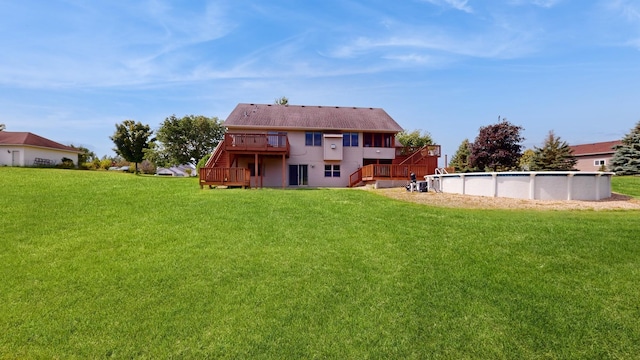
pixel 599 162
pixel 350 139
pixel 377 140
pixel 331 170
pixel 313 138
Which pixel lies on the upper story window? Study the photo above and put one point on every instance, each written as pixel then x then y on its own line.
pixel 313 138
pixel 350 139
pixel 377 140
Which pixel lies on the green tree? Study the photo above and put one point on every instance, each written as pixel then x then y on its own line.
pixel 554 155
pixel 414 139
pixel 497 147
pixel 131 139
pixel 281 101
pixel 460 160
pixel 626 159
pixel 85 155
pixel 188 139
pixel 526 160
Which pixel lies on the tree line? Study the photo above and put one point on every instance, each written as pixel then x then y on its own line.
pixel 177 141
pixel 498 148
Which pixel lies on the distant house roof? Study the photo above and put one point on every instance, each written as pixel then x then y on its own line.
pixel 27 138
pixel 268 117
pixel 595 148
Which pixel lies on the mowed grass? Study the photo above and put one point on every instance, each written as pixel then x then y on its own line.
pixel 628 185
pixel 100 264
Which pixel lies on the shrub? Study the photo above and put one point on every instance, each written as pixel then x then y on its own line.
pixel 66 163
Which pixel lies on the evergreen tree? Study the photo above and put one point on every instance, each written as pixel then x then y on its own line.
pixel 554 155
pixel 626 160
pixel 497 147
pixel 460 160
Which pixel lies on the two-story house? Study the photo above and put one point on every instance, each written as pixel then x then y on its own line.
pixel 318 146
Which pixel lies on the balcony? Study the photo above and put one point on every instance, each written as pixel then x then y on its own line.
pixel 245 143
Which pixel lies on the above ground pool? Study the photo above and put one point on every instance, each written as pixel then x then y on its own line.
pixel 535 185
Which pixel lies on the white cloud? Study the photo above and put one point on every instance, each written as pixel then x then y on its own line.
pixel 113 44
pixel 541 3
pixel 487 45
pixel 456 4
pixel 630 10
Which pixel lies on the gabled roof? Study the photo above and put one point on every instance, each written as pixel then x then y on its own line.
pixel 600 148
pixel 30 139
pixel 280 117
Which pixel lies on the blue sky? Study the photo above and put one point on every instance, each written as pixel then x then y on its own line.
pixel 70 70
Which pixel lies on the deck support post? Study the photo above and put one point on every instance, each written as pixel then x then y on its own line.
pixel 255 173
pixel 283 170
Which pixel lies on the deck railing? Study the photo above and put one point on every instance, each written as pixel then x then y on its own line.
pixel 355 178
pixel 225 176
pixel 388 172
pixel 375 172
pixel 256 142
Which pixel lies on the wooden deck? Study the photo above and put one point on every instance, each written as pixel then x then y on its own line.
pixel 225 177
pixel 245 143
pixel 370 173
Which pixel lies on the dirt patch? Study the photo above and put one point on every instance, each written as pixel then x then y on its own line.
pixel 615 202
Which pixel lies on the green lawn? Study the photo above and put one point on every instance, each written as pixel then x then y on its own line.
pixel 101 264
pixel 628 185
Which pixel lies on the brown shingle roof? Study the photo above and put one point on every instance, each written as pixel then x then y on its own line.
pixel 267 116
pixel 27 138
pixel 595 148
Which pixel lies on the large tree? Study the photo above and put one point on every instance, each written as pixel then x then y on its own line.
pixel 131 139
pixel 626 159
pixel 415 138
pixel 554 155
pixel 189 138
pixel 497 147
pixel 460 160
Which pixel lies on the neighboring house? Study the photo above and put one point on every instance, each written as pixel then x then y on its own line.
pixel 591 157
pixel 318 146
pixel 28 149
pixel 180 170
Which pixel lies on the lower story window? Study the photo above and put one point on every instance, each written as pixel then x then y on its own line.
pixel 599 162
pixel 331 170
